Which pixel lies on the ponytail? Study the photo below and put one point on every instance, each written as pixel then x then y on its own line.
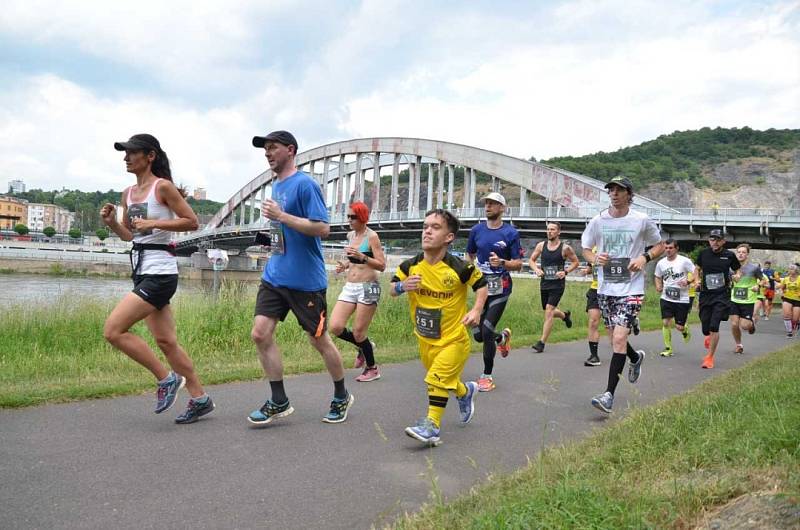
pixel 160 168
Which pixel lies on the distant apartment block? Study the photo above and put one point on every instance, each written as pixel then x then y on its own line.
pixel 16 186
pixel 12 212
pixel 40 216
pixel 199 194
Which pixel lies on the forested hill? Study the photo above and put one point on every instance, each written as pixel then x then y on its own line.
pixel 86 204
pixel 682 155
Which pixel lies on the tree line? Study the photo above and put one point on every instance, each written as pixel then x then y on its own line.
pixel 681 155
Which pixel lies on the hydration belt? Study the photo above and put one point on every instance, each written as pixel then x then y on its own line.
pixel 139 248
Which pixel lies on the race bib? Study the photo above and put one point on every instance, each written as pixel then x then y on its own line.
pixel 740 293
pixel 372 292
pixel 495 283
pixel 550 272
pixel 616 270
pixel 429 322
pixel 276 238
pixel 673 293
pixel 715 281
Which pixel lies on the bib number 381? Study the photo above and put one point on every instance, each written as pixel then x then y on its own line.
pixel 429 322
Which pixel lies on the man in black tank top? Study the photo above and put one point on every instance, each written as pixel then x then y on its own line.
pixel 554 254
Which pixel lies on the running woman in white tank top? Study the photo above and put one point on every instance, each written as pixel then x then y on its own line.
pixel 151 211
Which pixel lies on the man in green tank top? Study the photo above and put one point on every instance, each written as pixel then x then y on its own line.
pixel 744 294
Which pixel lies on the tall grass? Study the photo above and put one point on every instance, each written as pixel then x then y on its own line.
pixel 56 352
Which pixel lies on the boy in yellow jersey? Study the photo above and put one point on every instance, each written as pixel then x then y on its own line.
pixel 594 314
pixel 436 283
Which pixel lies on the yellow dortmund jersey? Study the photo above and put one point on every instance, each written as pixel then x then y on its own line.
pixel 791 288
pixel 690 279
pixel 594 272
pixel 440 302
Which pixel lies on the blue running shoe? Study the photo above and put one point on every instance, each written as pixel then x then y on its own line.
pixel 425 431
pixel 604 402
pixel 466 404
pixel 635 369
pixel 194 410
pixel 168 391
pixel 270 411
pixel 339 408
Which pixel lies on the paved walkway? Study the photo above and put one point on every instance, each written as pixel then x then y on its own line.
pixel 112 463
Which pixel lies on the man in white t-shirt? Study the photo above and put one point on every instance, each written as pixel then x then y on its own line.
pixel 621 236
pixel 672 281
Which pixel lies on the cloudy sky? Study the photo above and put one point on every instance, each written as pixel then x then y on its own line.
pixel 523 78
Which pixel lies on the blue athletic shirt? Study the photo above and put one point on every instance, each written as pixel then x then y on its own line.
pixel 503 241
pixel 301 267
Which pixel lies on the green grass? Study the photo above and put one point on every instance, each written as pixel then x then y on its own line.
pixel 56 352
pixel 663 466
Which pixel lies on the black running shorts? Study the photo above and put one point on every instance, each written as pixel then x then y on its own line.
pixel 713 310
pixel 310 307
pixel 551 297
pixel 591 300
pixel 742 310
pixel 155 289
pixel 676 310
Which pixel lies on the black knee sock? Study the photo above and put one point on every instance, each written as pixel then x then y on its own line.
pixel 366 349
pixel 633 355
pixel 347 335
pixel 615 371
pixel 339 391
pixel 278 393
pixel 593 348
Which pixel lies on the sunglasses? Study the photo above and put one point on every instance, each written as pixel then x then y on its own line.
pixel 352 217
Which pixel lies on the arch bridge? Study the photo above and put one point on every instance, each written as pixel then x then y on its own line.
pixel 401 178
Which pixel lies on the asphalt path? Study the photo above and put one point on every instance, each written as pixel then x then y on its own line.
pixel 112 463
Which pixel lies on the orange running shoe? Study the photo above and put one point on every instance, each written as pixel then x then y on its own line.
pixel 708 362
pixel 707 342
pixel 505 345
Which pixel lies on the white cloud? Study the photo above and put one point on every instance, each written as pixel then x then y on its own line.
pixel 578 77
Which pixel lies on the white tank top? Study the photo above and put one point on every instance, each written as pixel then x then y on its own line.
pixel 153 261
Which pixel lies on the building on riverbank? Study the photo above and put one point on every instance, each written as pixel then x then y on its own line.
pixel 13 211
pixel 41 216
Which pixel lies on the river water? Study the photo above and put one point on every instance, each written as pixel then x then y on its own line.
pixel 18 289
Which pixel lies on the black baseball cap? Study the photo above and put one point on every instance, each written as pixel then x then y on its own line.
pixel 716 233
pixel 625 182
pixel 145 142
pixel 282 137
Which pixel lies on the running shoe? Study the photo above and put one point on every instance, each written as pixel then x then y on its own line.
pixel 195 409
pixel 504 346
pixel 635 369
pixel 360 360
pixel 739 349
pixel 486 383
pixel 168 391
pixel 269 412
pixel 708 362
pixel 425 431
pixel 466 404
pixel 568 318
pixel 789 335
pixel 593 360
pixel 369 374
pixel 752 330
pixel 687 335
pixel 538 347
pixel 707 342
pixel 604 402
pixel 666 353
pixel 636 329
pixel 766 318
pixel 339 408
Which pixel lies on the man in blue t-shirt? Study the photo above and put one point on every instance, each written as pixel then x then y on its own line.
pixel 294 277
pixel 496 246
